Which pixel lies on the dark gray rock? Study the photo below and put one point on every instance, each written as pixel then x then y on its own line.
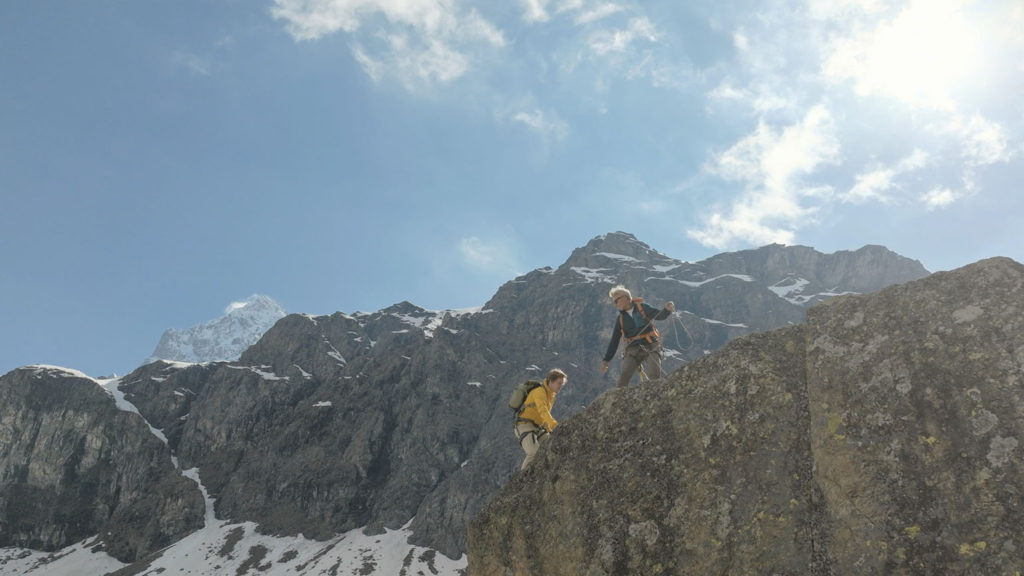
pixel 882 436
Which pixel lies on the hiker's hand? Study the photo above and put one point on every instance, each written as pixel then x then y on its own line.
pixel 604 366
pixel 670 306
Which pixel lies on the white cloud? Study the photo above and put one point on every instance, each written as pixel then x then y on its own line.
pixel 235 306
pixel 842 9
pixel 548 125
pixel 727 91
pixel 871 186
pixel 982 141
pixel 619 41
pixel 413 63
pixel 918 57
pixel 939 198
pixel 536 10
pixel 740 41
pixel 488 255
pixel 897 76
pixel 874 184
pixel 423 42
pixel 599 12
pixel 771 165
pixel 768 71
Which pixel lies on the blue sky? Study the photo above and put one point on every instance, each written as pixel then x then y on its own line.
pixel 159 160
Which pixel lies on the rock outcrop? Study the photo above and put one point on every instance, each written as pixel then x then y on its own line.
pixel 881 436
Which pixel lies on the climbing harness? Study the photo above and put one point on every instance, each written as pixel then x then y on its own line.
pixel 651 336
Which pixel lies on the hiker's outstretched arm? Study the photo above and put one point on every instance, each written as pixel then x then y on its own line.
pixel 666 311
pixel 613 345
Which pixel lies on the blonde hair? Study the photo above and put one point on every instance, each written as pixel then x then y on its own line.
pixel 555 374
pixel 619 291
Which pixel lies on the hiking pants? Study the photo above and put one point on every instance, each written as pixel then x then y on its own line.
pixel 635 355
pixel 531 437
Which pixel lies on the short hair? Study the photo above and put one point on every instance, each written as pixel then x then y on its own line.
pixel 555 374
pixel 618 291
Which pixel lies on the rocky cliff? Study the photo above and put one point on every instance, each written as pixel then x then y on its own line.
pixel 72 465
pixel 335 422
pixel 881 436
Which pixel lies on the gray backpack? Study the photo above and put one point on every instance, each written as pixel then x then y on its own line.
pixel 515 402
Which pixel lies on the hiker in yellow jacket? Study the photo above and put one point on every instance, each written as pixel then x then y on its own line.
pixel 534 424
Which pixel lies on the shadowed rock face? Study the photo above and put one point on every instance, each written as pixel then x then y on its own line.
pixel 73 466
pixel 882 436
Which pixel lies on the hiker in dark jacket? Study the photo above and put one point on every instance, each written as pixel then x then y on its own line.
pixel 635 323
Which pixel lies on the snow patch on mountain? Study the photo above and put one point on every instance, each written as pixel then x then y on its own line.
pixel 223 339
pixel 225 547
pixel 430 320
pixel 792 289
pixel 593 275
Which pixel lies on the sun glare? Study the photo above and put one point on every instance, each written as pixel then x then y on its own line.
pixel 920 57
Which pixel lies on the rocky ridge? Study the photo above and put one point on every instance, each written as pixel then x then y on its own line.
pixel 881 436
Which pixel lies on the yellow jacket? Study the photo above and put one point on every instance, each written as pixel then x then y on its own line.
pixel 537 407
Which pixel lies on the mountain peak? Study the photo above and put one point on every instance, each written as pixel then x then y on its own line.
pixel 252 304
pixel 222 339
pixel 615 245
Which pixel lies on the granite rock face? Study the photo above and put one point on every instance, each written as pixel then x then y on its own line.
pixel 881 436
pixel 73 466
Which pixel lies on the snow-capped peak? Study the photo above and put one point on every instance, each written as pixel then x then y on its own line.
pixel 224 339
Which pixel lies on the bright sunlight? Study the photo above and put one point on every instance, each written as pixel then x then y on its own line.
pixel 919 57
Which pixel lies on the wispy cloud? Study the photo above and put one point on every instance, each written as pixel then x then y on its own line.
pixel 545 124
pixel 422 42
pixel 771 165
pixel 876 183
pixel 606 42
pixel 488 255
pixel 939 198
pixel 537 11
pixel 982 141
pixel 195 64
pixel 411 62
pixel 599 12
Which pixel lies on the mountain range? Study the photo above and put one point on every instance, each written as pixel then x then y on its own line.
pixel 368 424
